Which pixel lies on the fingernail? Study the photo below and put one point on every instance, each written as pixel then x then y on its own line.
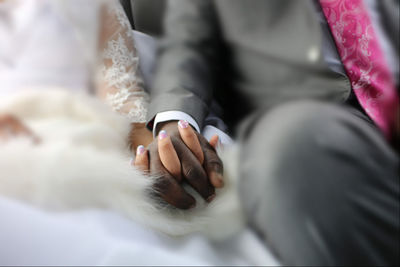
pixel 140 150
pixel 183 124
pixel 210 198
pixel 132 161
pixel 163 134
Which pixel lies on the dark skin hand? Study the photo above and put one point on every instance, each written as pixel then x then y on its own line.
pixel 202 177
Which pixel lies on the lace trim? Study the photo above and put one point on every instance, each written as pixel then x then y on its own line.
pixel 119 70
pixel 117 10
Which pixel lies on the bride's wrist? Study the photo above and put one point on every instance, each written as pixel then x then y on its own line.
pixel 139 135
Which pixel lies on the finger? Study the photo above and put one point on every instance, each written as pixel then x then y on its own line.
pixel 142 159
pixel 168 155
pixel 171 192
pixel 193 172
pixel 21 129
pixel 166 186
pixel 16 127
pixel 7 118
pixel 213 165
pixel 214 141
pixel 191 140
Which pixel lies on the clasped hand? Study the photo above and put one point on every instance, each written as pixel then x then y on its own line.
pixel 180 155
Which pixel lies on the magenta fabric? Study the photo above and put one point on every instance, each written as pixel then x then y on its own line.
pixel 363 60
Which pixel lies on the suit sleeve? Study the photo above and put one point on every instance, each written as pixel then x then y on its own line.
pixel 187 57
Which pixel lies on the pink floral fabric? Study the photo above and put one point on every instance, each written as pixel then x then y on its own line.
pixel 363 60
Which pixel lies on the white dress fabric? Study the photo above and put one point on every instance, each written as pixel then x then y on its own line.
pixel 81 164
pixel 30 236
pixel 57 50
pixel 58 43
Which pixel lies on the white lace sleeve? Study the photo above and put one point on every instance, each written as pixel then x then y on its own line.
pixel 119 79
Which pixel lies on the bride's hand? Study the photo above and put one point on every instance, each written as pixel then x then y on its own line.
pixel 11 127
pixel 170 187
pixel 168 155
pixel 142 159
pixel 139 135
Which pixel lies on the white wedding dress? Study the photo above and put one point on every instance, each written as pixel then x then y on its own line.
pixel 82 46
pixel 74 198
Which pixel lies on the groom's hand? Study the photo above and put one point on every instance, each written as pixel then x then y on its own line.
pixel 191 159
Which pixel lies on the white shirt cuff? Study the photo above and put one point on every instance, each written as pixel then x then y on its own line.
pixel 172 116
pixel 209 131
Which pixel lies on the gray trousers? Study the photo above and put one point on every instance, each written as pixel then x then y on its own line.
pixel 321 186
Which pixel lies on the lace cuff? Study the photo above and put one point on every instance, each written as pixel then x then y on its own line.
pixel 119 79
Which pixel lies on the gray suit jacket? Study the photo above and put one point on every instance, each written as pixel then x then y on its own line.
pixel 249 55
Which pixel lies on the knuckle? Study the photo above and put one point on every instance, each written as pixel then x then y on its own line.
pixel 189 172
pixel 192 173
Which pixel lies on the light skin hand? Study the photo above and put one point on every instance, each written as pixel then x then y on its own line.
pixel 139 135
pixel 11 126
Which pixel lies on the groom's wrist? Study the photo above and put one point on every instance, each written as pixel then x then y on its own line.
pixel 168 116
